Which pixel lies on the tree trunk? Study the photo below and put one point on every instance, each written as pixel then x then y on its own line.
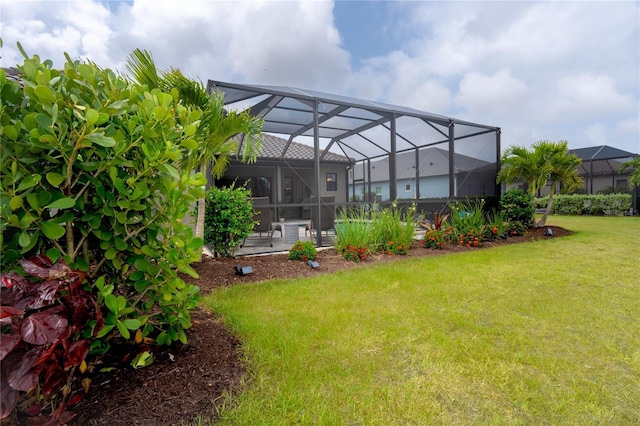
pixel 547 210
pixel 200 222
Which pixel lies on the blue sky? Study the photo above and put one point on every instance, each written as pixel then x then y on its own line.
pixel 539 70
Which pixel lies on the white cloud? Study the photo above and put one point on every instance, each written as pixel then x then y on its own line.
pixel 540 70
pixel 492 95
pixel 587 96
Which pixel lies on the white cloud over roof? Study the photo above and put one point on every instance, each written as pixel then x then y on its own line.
pixel 540 70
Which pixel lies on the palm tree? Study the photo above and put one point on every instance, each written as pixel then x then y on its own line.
pixel 563 173
pixel 215 135
pixel 546 161
pixel 634 167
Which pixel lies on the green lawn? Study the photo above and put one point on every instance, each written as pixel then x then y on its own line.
pixel 537 333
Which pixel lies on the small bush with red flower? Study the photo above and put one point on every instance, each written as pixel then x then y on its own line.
pixel 303 250
pixel 471 238
pixel 353 253
pixel 392 248
pixel 434 239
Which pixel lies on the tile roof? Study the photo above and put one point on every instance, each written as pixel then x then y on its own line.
pixel 273 146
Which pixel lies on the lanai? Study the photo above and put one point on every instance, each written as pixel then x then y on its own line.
pixel 367 132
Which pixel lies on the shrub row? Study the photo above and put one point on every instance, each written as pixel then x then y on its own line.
pixel 580 204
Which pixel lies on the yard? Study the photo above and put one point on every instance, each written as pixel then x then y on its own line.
pixel 542 332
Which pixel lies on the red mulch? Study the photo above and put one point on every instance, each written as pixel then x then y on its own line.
pixel 189 380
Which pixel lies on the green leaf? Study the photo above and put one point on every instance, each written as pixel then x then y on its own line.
pixel 62 203
pixel 45 95
pixel 16 202
pixel 123 330
pixel 29 182
pixel 55 179
pixel 111 253
pixel 102 140
pixel 24 239
pixel 190 143
pixel 92 116
pixel 53 254
pixel 142 360
pixel 132 323
pixel 105 330
pixel 111 302
pixel 120 243
pixel 51 230
pixel 11 132
pixel 186 269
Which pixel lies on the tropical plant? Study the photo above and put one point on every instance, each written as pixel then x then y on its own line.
pixel 91 174
pixel 302 250
pixel 228 219
pixel 632 166
pixel 48 321
pixel 213 143
pixel 545 162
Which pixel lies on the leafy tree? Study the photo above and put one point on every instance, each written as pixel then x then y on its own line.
pixel 214 142
pixel 634 167
pixel 92 173
pixel 545 162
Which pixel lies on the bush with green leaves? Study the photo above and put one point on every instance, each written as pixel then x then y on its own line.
pixel 517 206
pixel 592 204
pixel 91 174
pixel 302 250
pixel 228 219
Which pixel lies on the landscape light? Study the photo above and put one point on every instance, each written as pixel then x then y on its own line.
pixel 549 232
pixel 313 264
pixel 243 270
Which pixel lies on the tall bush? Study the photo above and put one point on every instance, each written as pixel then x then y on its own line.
pixel 228 219
pixel 517 206
pixel 90 175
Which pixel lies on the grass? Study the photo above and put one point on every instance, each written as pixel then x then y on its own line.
pixel 538 333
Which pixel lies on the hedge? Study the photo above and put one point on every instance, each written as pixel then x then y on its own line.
pixel 581 204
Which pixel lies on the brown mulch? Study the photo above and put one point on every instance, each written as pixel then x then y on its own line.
pixel 190 380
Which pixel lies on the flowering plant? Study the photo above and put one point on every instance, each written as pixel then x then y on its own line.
pixel 392 248
pixel 354 253
pixel 434 239
pixel 302 250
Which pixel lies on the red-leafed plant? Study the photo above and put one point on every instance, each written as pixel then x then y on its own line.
pixel 46 318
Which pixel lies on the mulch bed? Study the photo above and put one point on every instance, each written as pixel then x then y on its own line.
pixel 185 381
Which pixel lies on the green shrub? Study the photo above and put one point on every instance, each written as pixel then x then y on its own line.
pixel 596 204
pixel 91 175
pixel 228 219
pixel 517 206
pixel 303 250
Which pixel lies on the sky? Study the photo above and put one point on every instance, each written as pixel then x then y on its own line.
pixel 544 70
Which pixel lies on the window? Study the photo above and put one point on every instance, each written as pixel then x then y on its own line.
pixel 332 181
pixel 621 183
pixel 407 187
pixel 378 190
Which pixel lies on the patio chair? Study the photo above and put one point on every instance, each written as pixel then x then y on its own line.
pixel 327 215
pixel 264 221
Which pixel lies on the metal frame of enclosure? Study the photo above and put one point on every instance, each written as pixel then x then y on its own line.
pixel 390 147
